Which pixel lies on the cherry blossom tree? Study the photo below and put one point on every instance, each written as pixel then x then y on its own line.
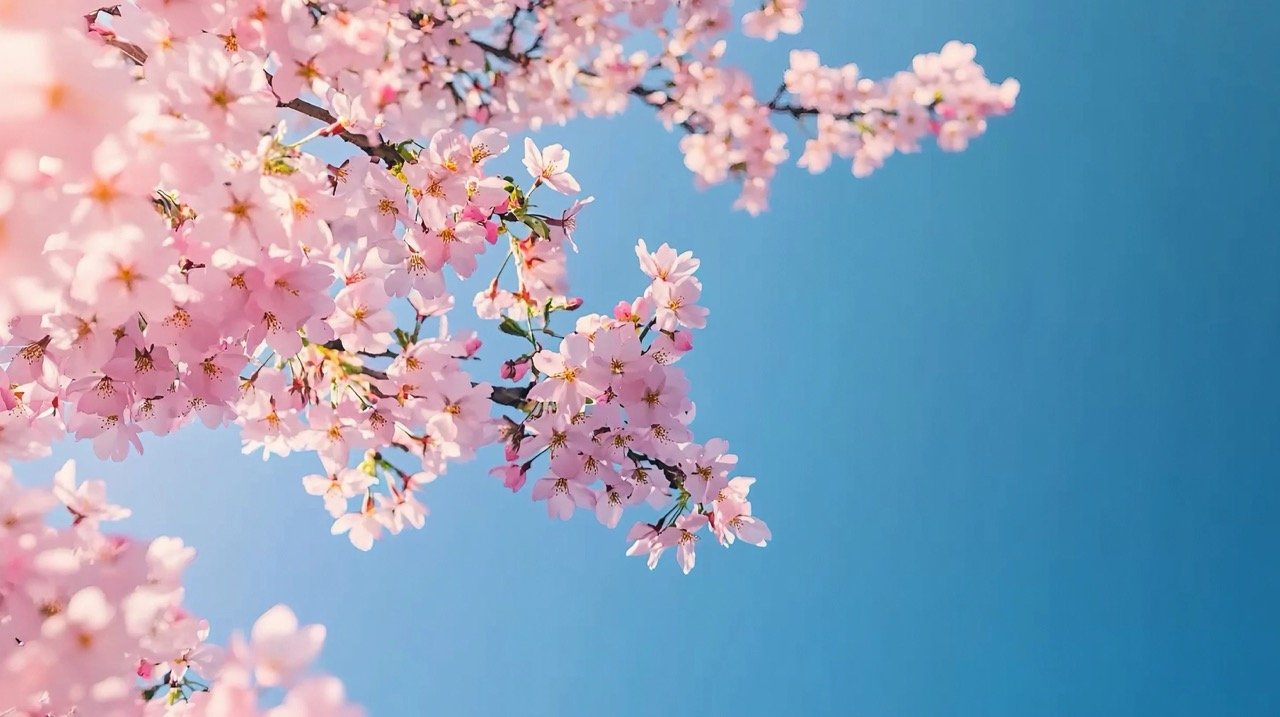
pixel 259 213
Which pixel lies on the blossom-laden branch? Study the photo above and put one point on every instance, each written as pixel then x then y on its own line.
pixel 380 150
pixel 245 281
pixel 528 63
pixel 173 251
pixel 945 95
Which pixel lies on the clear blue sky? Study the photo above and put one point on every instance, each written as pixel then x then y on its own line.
pixel 1019 445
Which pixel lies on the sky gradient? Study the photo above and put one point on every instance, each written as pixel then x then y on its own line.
pixel 1014 415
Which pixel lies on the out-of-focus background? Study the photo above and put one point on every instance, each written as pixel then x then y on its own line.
pixel 1014 413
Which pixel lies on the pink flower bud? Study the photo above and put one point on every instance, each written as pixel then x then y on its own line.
pixel 514 370
pixel 519 369
pixel 473 345
pixel 513 476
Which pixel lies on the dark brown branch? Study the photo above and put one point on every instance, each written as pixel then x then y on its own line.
pixel 645 94
pixel 135 54
pixel 374 373
pixel 380 150
pixel 799 111
pixel 507 54
pixel 513 396
pixel 674 476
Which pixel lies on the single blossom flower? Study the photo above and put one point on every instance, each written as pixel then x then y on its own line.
pixel 550 166
pixel 280 648
pixel 86 501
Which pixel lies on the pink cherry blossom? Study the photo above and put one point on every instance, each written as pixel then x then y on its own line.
pixel 86 501
pixel 773 17
pixel 363 527
pixel 337 488
pixel 567 383
pixel 683 537
pixel 677 304
pixel 281 649
pixel 362 321
pixel 562 496
pixel 666 264
pixel 550 166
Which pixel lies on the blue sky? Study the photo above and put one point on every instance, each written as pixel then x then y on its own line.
pixel 1014 414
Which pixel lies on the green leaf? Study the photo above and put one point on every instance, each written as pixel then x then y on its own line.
pixel 509 326
pixel 538 226
pixel 405 149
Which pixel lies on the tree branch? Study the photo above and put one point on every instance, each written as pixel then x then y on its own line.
pixel 381 150
pixel 513 396
pixel 645 94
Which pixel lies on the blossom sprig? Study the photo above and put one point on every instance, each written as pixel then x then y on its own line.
pixel 257 290
pixel 528 63
pixel 611 412
pixel 731 130
pixel 93 622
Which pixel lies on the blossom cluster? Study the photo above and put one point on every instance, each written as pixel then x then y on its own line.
pixel 403 73
pixel 611 411
pixel 257 286
pixel 93 623
pixel 946 96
